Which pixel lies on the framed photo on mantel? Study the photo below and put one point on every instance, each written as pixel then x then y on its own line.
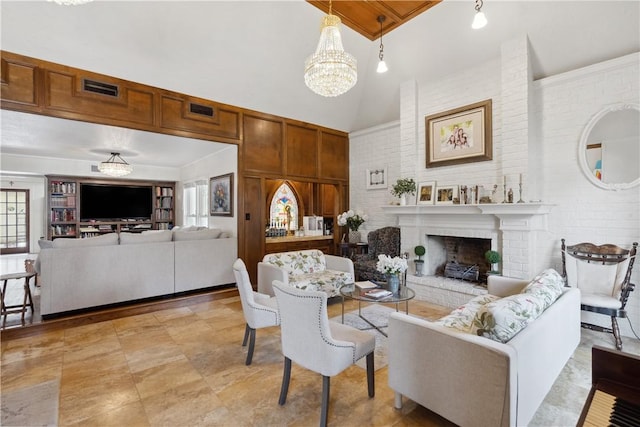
pixel 461 135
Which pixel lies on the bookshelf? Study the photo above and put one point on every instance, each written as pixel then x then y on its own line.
pixel 65 219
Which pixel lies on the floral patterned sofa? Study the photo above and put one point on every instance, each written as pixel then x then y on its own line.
pixel 309 269
pixel 385 241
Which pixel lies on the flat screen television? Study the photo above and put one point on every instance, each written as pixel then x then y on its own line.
pixel 104 202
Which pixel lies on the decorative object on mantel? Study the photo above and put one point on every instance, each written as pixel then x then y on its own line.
pixel 493 258
pixel 330 71
pixel 521 200
pixel 392 268
pixel 353 220
pixel 115 166
pixel 419 251
pixel 447 194
pixel 402 188
pixel 461 135
pixel 426 193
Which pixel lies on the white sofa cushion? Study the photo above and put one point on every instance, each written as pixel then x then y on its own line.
pixel 104 240
pixel 547 285
pixel 145 237
pixel 207 233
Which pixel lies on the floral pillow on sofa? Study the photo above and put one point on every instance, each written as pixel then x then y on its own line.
pixel 502 319
pixel 462 317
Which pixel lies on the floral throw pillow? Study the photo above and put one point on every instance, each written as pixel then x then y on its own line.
pixel 501 320
pixel 547 286
pixel 462 317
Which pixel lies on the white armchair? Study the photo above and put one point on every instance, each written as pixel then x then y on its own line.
pixel 315 343
pixel 260 311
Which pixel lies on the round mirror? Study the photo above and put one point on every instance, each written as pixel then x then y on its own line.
pixel 609 149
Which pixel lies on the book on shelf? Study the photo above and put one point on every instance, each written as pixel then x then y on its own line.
pixel 377 293
pixel 366 284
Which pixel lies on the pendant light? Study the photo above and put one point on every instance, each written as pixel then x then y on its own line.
pixel 479 20
pixel 382 66
pixel 115 166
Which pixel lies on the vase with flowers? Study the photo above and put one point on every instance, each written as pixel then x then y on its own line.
pixel 403 188
pixel 353 220
pixel 392 268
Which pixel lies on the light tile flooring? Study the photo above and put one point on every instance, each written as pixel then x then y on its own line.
pixel 183 367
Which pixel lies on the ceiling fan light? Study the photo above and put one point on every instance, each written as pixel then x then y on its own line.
pixel 115 166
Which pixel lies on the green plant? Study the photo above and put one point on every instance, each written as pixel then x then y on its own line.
pixel 419 251
pixel 404 186
pixel 493 257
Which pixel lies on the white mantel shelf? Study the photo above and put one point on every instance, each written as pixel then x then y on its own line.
pixel 497 209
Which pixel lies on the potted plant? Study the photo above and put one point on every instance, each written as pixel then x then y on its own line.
pixel 493 258
pixel 402 187
pixel 419 251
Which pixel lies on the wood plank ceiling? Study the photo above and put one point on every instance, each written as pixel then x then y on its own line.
pixel 362 15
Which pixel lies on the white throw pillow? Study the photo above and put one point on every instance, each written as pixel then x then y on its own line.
pixel 45 244
pixel 206 234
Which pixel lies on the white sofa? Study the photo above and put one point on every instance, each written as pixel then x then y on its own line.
pixel 475 381
pixel 308 269
pixel 82 273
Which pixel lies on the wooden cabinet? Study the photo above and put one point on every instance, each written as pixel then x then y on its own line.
pixel 66 218
pixel 284 244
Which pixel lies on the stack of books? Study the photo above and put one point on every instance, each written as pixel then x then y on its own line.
pixel 377 293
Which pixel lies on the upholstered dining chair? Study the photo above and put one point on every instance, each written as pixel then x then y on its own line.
pixel 313 342
pixel 384 240
pixel 260 311
pixel 603 275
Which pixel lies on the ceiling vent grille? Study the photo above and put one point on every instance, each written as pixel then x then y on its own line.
pixel 99 87
pixel 203 110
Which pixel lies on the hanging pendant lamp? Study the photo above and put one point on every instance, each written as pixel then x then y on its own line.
pixel 115 166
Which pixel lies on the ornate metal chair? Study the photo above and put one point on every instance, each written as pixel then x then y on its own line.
pixel 386 241
pixel 603 275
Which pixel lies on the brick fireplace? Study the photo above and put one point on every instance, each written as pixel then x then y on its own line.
pixel 512 229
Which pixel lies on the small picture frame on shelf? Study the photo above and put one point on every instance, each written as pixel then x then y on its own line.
pixel 221 195
pixel 426 193
pixel 376 178
pixel 446 194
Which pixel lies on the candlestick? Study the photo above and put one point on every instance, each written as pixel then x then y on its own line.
pixel 520 179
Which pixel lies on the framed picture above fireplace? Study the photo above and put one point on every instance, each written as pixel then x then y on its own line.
pixel 446 194
pixel 461 135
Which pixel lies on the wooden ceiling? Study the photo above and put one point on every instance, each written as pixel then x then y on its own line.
pixel 362 15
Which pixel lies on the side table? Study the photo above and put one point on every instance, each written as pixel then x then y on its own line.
pixel 348 250
pixel 27 301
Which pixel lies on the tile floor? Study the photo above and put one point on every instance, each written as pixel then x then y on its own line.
pixel 182 367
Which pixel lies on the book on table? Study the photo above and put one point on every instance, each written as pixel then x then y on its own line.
pixel 366 284
pixel 377 293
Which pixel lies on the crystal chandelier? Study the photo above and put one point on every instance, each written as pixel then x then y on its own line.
pixel 330 71
pixel 115 166
pixel 70 2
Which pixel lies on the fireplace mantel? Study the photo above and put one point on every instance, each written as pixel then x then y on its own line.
pixel 497 209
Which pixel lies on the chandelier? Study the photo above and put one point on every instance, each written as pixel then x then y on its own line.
pixel 70 2
pixel 115 166
pixel 330 71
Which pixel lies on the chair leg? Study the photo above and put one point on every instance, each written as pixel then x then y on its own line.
pixel 370 375
pixel 252 344
pixel 324 412
pixel 616 332
pixel 286 376
pixel 246 334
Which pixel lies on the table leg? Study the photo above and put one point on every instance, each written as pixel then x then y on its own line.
pixel 343 310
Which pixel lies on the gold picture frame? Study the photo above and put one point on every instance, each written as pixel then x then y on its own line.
pixel 221 195
pixel 461 135
pixel 426 194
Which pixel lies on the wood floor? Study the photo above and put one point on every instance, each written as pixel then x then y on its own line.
pixel 181 364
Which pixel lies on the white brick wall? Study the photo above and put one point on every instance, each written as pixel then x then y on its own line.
pixel 536 131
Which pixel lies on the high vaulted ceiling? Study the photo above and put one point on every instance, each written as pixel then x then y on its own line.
pixel 251 53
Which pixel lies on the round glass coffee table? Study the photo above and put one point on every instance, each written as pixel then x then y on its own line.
pixel 352 291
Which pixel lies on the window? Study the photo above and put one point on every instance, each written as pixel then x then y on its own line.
pixel 196 203
pixel 14 221
pixel 283 212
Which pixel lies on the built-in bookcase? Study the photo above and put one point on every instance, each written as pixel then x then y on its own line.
pixel 65 219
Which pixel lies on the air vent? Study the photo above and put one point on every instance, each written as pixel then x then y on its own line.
pixel 99 87
pixel 203 110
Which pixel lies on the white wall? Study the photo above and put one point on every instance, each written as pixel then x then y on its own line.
pixel 220 163
pixel 536 131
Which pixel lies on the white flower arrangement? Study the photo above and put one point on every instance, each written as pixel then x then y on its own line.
pixel 352 219
pixel 388 265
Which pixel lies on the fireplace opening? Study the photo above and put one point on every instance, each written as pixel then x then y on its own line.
pixel 458 257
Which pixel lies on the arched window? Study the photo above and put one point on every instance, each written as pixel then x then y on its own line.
pixel 283 212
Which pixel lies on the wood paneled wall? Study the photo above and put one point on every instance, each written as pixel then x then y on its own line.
pixel 270 147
